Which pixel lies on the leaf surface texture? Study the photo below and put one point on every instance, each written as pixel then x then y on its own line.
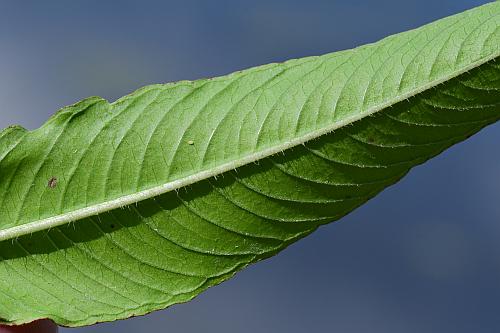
pixel 117 209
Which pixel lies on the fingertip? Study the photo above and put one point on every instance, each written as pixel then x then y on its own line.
pixel 38 326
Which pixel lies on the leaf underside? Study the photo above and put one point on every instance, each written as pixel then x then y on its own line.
pixel 114 210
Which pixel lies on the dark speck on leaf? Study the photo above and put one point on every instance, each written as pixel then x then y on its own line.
pixel 112 226
pixel 52 182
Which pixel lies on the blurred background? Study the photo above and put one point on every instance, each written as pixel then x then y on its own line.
pixel 423 256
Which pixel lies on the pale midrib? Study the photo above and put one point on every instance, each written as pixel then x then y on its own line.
pixel 58 220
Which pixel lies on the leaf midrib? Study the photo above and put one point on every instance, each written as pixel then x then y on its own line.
pixel 76 215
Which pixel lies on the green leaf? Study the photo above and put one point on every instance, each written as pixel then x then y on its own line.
pixel 117 209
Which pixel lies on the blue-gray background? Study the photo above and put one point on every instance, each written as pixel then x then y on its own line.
pixel 423 256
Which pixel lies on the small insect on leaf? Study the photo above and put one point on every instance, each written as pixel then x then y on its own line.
pixel 52 182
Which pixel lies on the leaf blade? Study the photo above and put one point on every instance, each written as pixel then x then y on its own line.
pixel 182 243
